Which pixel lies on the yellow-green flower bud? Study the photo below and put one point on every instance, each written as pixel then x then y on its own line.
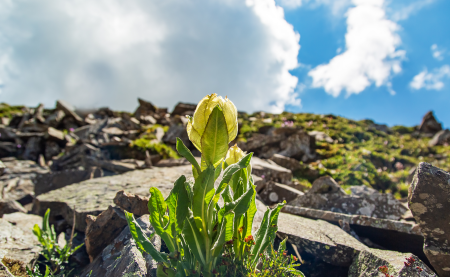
pixel 234 154
pixel 197 124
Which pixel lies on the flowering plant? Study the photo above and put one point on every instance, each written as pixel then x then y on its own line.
pixel 195 227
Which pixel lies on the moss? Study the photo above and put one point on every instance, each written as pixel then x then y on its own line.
pixel 154 147
pixel 9 111
pixel 17 268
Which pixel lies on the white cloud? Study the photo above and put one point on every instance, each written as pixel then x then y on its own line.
pixel 431 80
pixel 290 4
pixel 403 12
pixel 371 54
pixel 337 7
pixel 438 53
pixel 108 53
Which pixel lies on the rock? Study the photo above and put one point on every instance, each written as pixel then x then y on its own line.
pixel 368 263
pixel 321 136
pixel 440 138
pixel 24 221
pixel 380 127
pixel 101 230
pixel 10 206
pixel 429 124
pixel 18 244
pixel 2 168
pixel 172 162
pixel 54 134
pixel 55 180
pixel 184 109
pixel 33 148
pixel 391 234
pixel 52 149
pixel 268 170
pixel 8 149
pixel 428 200
pixel 122 258
pixel 96 195
pixel 145 108
pixel 55 118
pixel 177 131
pixel 131 203
pixel 4 271
pixel 287 162
pixel 69 110
pixel 300 146
pixel 276 193
pixel 326 194
pixel 80 155
pixel 320 239
pixel 114 166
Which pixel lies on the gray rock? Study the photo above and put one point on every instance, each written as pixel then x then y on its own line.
pixel 33 148
pixel 4 272
pixel 429 124
pixel 270 171
pixel 123 258
pixel 326 194
pixel 172 162
pixel 55 118
pixel 440 138
pixel 68 110
pixel 320 239
pixel 145 108
pixel 52 149
pixel 299 145
pixel 24 221
pixel 184 109
pixel 276 193
pixel 94 196
pixel 368 262
pixel 10 206
pixel 287 162
pixel 320 136
pixel 2 168
pixel 54 134
pixel 176 131
pixel 429 201
pixel 55 180
pixel 17 244
pixel 102 229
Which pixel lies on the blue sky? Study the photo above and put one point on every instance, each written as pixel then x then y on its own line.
pixel 323 32
pixel 387 60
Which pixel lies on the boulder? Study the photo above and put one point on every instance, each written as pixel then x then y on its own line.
pixel 300 146
pixel 55 118
pixel 440 138
pixel 172 162
pixel 321 136
pixel 68 110
pixel 176 131
pixel 52 149
pixel 102 229
pixel 24 221
pixel 91 197
pixel 270 171
pixel 131 203
pixel 122 257
pixel 276 193
pixel 376 262
pixel 2 168
pixel 429 124
pixel 184 109
pixel 145 108
pixel 326 194
pixel 320 239
pixel 10 206
pixel 54 134
pixel 18 244
pixel 287 162
pixel 55 180
pixel 429 202
pixel 33 148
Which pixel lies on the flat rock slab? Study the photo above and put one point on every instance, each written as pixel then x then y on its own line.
pixel 320 239
pixel 123 258
pixel 368 262
pixel 429 202
pixel 17 244
pixel 93 196
pixel 395 235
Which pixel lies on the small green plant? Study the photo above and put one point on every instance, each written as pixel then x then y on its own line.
pixel 201 235
pixel 56 257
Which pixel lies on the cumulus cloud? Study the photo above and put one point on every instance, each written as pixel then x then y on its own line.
pixel 337 6
pixel 403 12
pixel 371 55
pixel 108 53
pixel 437 52
pixel 431 80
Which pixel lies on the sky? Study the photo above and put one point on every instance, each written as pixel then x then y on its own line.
pixel 386 60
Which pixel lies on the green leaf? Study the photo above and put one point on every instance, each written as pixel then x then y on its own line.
pixel 215 138
pixel 240 205
pixel 225 234
pixel 227 196
pixel 203 192
pixel 179 190
pixel 194 239
pixel 250 215
pixel 157 208
pixel 185 152
pixel 142 242
pixel 266 232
